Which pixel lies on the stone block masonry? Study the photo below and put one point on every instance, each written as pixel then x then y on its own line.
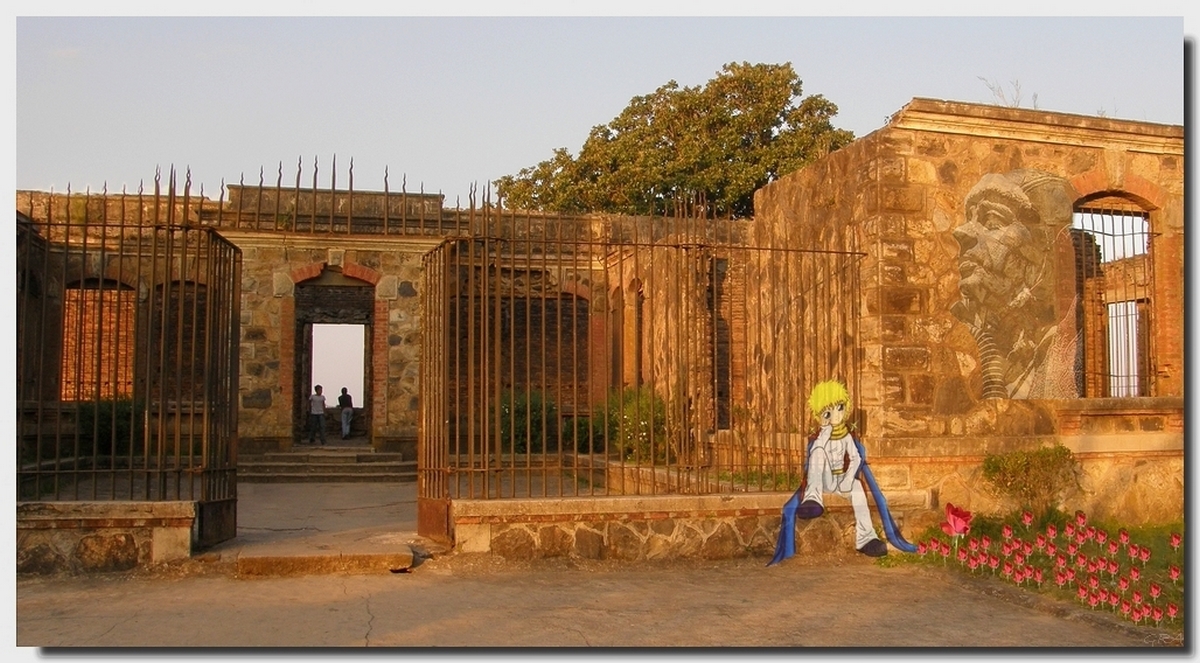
pixel 81 537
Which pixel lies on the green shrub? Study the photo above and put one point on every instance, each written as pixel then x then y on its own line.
pixel 634 421
pixel 527 421
pixel 581 435
pixel 101 423
pixel 1035 480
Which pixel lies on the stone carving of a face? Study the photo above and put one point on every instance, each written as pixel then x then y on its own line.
pixel 1006 279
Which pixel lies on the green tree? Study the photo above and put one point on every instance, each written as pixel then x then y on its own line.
pixel 712 145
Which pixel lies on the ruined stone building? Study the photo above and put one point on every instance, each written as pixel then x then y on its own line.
pixel 982 278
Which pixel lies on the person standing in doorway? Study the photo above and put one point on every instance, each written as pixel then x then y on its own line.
pixel 347 404
pixel 316 415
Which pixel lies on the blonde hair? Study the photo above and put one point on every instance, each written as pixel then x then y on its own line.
pixel 827 393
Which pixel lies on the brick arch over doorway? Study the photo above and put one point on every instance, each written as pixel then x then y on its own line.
pixel 328 294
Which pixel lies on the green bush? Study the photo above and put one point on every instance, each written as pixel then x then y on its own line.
pixel 527 421
pixel 582 436
pixel 634 421
pixel 1035 480
pixel 101 423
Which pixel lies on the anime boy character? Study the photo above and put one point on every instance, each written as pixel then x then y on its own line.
pixel 837 463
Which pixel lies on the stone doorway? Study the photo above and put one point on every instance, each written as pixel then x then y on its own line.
pixel 331 298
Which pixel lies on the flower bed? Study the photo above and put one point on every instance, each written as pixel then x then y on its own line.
pixel 1134 573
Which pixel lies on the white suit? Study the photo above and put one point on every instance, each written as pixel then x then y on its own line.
pixel 827 458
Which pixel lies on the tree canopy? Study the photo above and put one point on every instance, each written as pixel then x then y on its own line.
pixel 712 145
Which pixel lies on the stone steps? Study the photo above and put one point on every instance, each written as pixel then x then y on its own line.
pixel 326 465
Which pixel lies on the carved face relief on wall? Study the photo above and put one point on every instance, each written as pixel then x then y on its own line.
pixel 1006 263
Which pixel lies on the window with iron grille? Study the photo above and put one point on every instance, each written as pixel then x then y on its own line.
pixel 1113 282
pixel 98 327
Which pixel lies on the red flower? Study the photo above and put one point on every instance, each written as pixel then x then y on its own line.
pixel 921 548
pixel 1072 549
pixel 1060 561
pixel 1006 550
pixel 1080 518
pixel 1093 600
pixel 1038 577
pixel 986 542
pixel 1090 532
pixel 1126 607
pixel 973 544
pixel 1069 530
pixel 1155 590
pixel 1060 579
pixel 1113 599
pixel 958 521
pixel 1103 595
pixel 1113 547
pixel 1176 540
pixel 1027 518
pixel 1006 531
pixel 993 562
pixel 1051 549
pixel 1040 542
pixel 1172 610
pixel 962 554
pixel 1137 597
pixel 1081 537
pixel 1008 569
pixel 1018 559
pixel 1091 567
pixel 1132 550
pixel 973 563
pixel 1144 553
pixel 1157 613
pixel 1081 592
pixel 1027 548
pixel 1051 531
pixel 1113 567
pixel 1123 583
pixel 1134 574
pixel 1081 560
pixel 1123 536
pixel 1173 572
pixel 1070 574
pixel 945 549
pixel 1101 536
pixel 1093 582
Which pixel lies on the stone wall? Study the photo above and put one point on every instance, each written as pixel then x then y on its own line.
pixel 81 537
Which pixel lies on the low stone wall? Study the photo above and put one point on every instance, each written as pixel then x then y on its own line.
pixel 83 537
pixel 643 527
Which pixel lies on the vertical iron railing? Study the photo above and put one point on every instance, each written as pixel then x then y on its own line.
pixel 127 327
pixel 581 356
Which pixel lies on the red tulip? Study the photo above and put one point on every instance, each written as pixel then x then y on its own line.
pixel 1172 610
pixel 1113 599
pixel 1157 613
pixel 973 563
pixel 993 562
pixel 1093 582
pixel 1126 607
pixel 1080 518
pixel 1144 553
pixel 1137 597
pixel 1027 548
pixel 1060 561
pixel 1051 531
pixel 1113 547
pixel 973 544
pixel 1091 567
pixel 921 548
pixel 1081 592
pixel 1101 536
pixel 1081 537
pixel 1040 542
pixel 1123 536
pixel 1060 579
pixel 1123 583
pixel 1006 531
pixel 1038 577
pixel 1090 532
pixel 1173 572
pixel 945 549
pixel 1155 590
pixel 1103 595
pixel 1051 549
pixel 1069 530
pixel 1072 549
pixel 1027 518
pixel 1081 560
pixel 1006 550
pixel 1093 600
pixel 1176 540
pixel 986 542
pixel 1113 567
pixel 1070 574
pixel 1134 574
pixel 1136 616
pixel 962 554
pixel 1132 550
pixel 1018 559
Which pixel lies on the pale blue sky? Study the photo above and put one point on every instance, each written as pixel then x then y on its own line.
pixel 451 101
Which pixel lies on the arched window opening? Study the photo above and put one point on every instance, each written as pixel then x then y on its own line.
pixel 1113 283
pixel 98 340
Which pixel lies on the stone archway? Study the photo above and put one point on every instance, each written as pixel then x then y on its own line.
pixel 330 297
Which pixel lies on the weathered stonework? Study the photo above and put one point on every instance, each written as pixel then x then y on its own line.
pixel 82 537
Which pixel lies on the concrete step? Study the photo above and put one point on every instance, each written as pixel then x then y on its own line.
pixel 326 464
pixel 326 477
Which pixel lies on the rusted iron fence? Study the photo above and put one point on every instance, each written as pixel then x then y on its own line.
pixel 615 355
pixel 127 332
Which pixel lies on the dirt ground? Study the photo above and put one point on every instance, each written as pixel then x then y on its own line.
pixel 465 600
